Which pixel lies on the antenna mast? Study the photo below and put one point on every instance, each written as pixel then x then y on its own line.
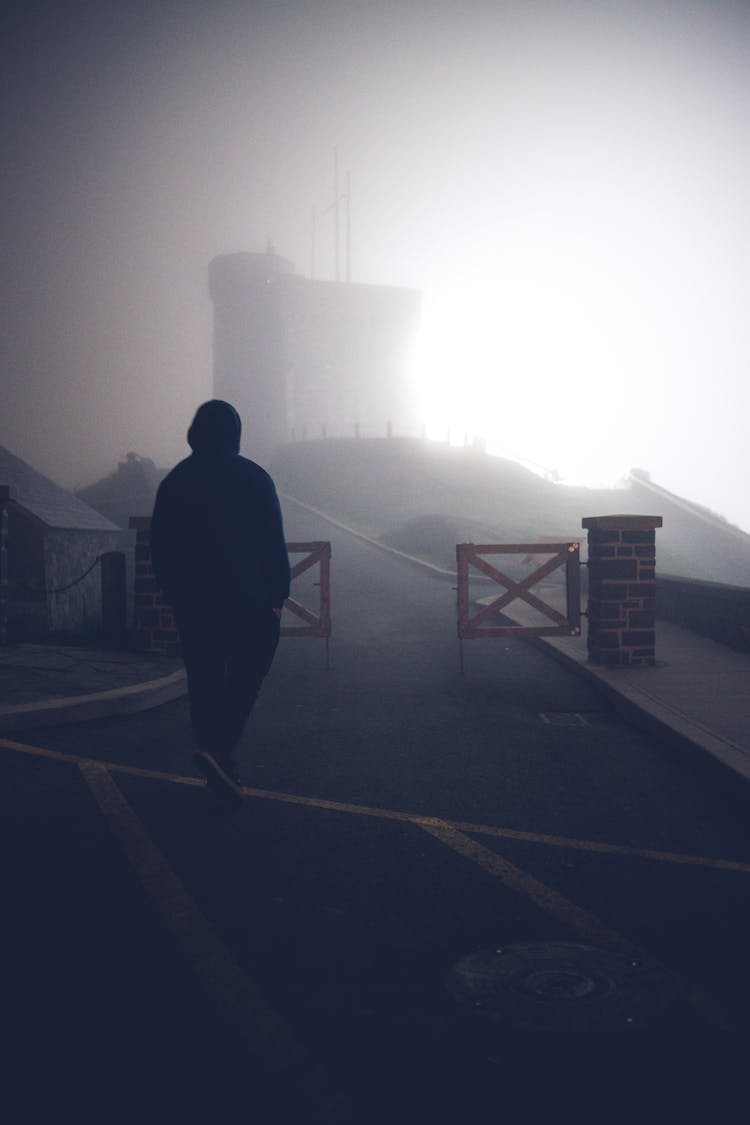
pixel 336 201
pixel 337 198
pixel 348 228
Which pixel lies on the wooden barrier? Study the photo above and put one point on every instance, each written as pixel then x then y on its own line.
pixel 316 623
pixel 482 623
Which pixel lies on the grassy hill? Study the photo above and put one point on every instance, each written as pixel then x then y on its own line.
pixel 424 498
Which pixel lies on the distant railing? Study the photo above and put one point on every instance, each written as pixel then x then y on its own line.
pixel 390 429
pixel 323 430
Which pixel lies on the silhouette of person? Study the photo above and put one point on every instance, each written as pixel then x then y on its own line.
pixel 220 557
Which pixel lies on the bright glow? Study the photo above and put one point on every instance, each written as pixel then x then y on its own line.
pixel 526 367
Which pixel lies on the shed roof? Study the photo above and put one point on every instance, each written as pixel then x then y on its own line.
pixel 53 505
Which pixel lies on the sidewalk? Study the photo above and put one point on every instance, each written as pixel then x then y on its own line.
pixel 43 685
pixel 699 690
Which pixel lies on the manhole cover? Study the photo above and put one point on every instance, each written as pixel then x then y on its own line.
pixel 560 986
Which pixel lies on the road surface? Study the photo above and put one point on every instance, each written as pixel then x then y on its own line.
pixel 442 897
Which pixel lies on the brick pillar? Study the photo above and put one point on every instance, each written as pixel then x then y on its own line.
pixel 622 589
pixel 154 618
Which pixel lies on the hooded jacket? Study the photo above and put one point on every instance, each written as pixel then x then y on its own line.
pixel 217 537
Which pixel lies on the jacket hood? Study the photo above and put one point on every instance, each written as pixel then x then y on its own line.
pixel 215 429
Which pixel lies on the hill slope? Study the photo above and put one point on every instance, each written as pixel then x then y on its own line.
pixel 424 498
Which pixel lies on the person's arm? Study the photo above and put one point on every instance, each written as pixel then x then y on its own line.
pixel 162 541
pixel 277 557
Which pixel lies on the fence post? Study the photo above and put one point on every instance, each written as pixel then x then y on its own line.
pixel 622 589
pixel 114 596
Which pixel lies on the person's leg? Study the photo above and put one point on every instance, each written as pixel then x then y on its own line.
pixel 204 645
pixel 252 646
pixel 204 658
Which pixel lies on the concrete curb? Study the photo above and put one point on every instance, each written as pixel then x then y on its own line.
pixel 652 714
pixel 98 705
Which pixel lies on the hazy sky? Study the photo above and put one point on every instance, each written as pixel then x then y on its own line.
pixel 568 184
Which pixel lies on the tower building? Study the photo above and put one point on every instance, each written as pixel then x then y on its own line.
pixel 300 357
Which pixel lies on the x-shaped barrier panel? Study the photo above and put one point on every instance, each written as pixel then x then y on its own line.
pixel 316 624
pixel 565 555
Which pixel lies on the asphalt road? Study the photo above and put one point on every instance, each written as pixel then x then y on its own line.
pixel 471 898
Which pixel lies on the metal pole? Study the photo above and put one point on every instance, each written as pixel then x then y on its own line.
pixel 348 229
pixel 4 497
pixel 336 205
pixel 462 599
pixel 312 247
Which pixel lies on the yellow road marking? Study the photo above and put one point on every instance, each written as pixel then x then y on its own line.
pixel 271 1042
pixel 406 817
pixel 214 961
pixel 502 833
pixel 208 954
pixel 199 941
pixel 519 880
pixel 605 849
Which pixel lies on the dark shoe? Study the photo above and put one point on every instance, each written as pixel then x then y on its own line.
pixel 218 775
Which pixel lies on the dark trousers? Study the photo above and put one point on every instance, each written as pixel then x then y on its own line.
pixel 227 656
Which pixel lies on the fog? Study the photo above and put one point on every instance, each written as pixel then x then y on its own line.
pixel 566 183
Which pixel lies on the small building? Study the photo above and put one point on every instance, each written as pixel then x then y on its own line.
pixel 54 542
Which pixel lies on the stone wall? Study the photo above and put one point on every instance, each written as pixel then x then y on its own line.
pixel 712 609
pixel 75 607
pixel 26 604
pixel 155 628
